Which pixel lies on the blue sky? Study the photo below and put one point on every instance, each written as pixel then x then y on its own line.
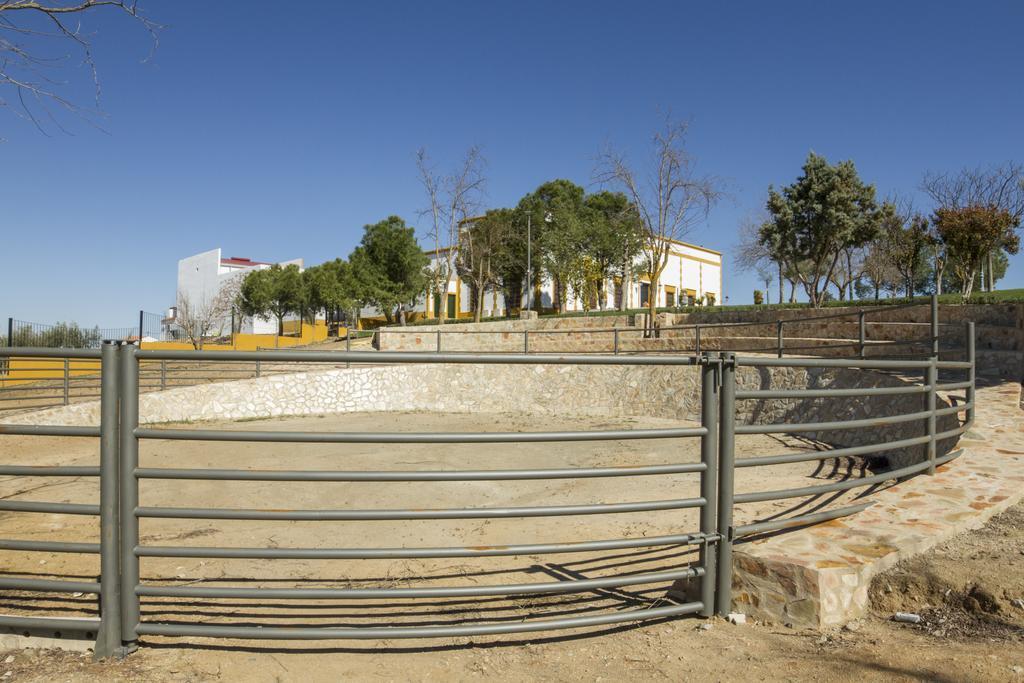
pixel 278 133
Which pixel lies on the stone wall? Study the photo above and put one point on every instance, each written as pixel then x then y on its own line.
pixel 662 391
pixel 999 333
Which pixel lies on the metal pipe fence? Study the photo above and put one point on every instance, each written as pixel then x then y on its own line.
pixel 122 507
pixel 687 338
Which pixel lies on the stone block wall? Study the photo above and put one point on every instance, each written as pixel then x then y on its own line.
pixel 606 390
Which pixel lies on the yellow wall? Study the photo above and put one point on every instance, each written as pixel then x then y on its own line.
pixel 27 370
pixel 311 334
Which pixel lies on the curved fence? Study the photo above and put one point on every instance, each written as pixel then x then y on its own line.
pixel 702 579
pixel 776 337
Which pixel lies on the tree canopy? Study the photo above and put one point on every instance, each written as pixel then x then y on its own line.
pixel 275 291
pixel 389 267
pixel 812 222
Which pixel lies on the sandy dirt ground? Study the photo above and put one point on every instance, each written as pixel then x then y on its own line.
pixel 963 637
pixel 398 495
pixel 979 639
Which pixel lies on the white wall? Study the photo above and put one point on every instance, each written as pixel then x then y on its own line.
pixel 201 278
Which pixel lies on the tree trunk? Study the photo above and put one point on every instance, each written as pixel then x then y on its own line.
pixel 968 287
pixel 989 282
pixel 780 282
pixel 479 304
pixel 792 291
pixel 652 304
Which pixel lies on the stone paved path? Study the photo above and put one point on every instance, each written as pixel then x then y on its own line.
pixel 820 576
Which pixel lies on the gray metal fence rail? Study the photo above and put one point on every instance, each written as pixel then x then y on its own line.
pixel 615 337
pixel 120 587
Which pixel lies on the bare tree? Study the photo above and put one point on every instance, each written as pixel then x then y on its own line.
pixel 751 254
pixel 37 39
pixel 453 198
pixel 998 188
pixel 205 318
pixel 479 243
pixel 671 197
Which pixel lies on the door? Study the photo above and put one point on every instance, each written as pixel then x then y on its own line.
pixel 451 307
pixel 645 293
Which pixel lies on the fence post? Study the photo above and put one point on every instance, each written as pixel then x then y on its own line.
pixel 129 381
pixel 935 326
pixel 67 381
pixel 779 334
pixel 526 341
pixel 709 398
pixel 615 340
pixel 696 339
pixel 932 378
pixel 862 332
pixel 163 375
pixel 108 636
pixel 726 471
pixel 10 332
pixel 439 341
pixel 970 371
pixel 348 345
pixel 141 313
pixel 258 367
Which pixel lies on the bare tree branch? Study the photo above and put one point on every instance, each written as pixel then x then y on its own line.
pixel 452 199
pixel 25 64
pixel 672 199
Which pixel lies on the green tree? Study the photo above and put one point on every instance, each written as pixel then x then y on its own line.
pixel 613 238
pixel 816 221
pixel 906 243
pixel 970 234
pixel 981 210
pixel 333 290
pixel 389 267
pixel 510 259
pixel 556 213
pixel 275 291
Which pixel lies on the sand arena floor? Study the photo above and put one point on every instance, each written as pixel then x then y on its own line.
pixel 370 534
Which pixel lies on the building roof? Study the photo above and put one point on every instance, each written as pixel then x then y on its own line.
pixel 241 261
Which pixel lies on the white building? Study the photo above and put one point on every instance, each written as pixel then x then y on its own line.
pixel 201 278
pixel 693 273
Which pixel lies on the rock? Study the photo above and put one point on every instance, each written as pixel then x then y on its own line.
pixel 704 627
pixel 907 617
pixel 1017 669
pixel 1018 603
pixel 853 626
pixel 8 659
pixel 737 618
